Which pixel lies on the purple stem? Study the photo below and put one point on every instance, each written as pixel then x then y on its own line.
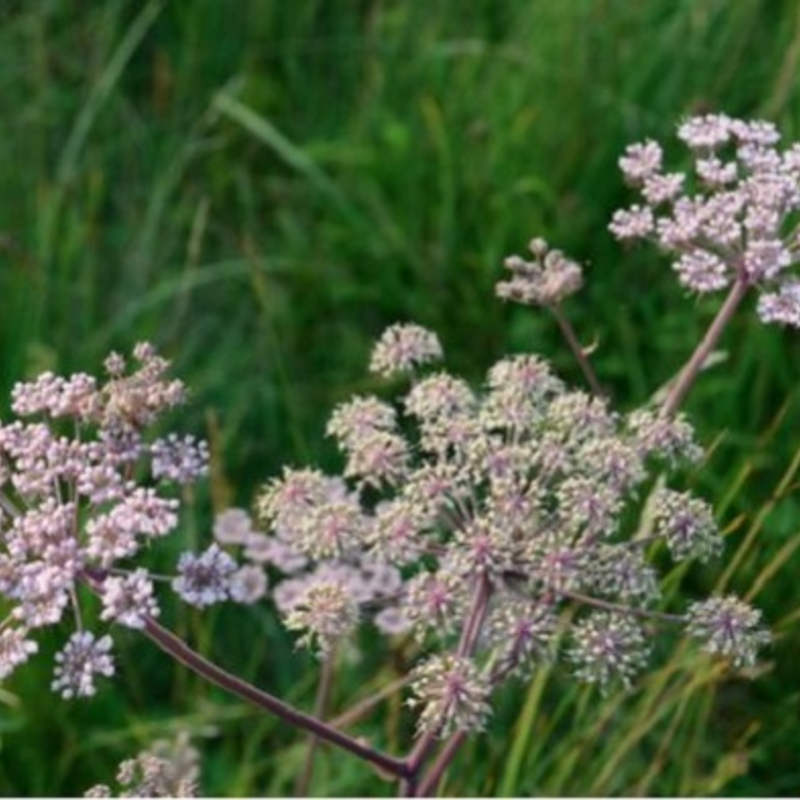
pixel 177 649
pixel 182 653
pixel 578 351
pixel 429 783
pixel 693 366
pixel 472 626
pixel 619 608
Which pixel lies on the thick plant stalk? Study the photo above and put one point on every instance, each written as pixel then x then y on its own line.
pixel 176 648
pixel 182 653
pixel 689 373
pixel 428 784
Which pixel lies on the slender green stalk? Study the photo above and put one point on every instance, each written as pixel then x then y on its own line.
pixel 303 781
pixel 356 711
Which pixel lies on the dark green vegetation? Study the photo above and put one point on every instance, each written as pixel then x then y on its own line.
pixel 259 188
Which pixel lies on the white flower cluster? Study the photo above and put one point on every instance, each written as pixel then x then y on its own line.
pixel 522 489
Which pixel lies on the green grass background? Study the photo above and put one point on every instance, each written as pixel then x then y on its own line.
pixel 259 187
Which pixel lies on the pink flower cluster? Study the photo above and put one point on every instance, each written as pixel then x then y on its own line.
pixel 76 507
pixel 731 218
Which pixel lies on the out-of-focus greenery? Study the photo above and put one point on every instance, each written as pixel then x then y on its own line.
pixel 259 187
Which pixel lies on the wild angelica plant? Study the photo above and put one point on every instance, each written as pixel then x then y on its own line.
pixel 501 527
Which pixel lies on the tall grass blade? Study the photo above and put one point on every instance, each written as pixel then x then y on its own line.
pixel 292 155
pixel 102 89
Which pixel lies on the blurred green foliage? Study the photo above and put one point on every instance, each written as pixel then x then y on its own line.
pixel 259 187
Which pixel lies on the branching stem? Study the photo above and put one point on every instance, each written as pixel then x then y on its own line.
pixel 182 653
pixel 428 784
pixel 179 651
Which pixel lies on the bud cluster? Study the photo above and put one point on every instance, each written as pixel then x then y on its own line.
pixel 546 281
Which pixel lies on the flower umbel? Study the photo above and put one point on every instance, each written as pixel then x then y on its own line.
pixel 168 769
pixel 326 612
pixel 205 579
pixel 452 695
pixel 733 218
pixel 607 646
pixel 82 658
pixel 523 488
pixel 402 348
pixel 546 281
pixel 687 523
pixel 728 627
pixel 73 513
